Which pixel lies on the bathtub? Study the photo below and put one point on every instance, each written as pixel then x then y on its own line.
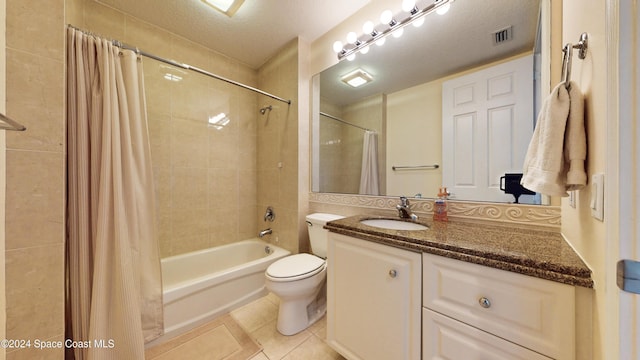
pixel 201 285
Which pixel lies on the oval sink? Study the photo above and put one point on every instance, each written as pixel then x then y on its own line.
pixel 393 224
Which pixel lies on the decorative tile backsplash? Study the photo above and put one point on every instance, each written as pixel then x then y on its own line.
pixel 538 215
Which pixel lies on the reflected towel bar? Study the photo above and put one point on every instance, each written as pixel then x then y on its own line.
pixel 10 124
pixel 417 167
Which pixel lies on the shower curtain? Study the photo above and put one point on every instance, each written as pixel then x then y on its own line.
pixel 114 291
pixel 369 173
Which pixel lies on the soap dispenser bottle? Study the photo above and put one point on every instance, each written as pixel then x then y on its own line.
pixel 441 206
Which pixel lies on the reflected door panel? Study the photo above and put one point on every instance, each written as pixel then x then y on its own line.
pixel 487 119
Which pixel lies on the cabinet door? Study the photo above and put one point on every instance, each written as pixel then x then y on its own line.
pixel 448 339
pixel 373 300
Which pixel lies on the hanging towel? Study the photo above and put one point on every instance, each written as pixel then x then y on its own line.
pixel 369 184
pixel 555 159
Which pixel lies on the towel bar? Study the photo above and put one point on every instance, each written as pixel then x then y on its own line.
pixel 416 167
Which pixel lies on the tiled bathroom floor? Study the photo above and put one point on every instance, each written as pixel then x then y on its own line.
pixel 259 320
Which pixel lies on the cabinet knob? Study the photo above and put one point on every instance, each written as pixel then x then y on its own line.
pixel 393 273
pixel 484 302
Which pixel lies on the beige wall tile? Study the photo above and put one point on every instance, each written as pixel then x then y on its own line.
pixel 103 20
pixel 35 98
pixel 34 27
pixel 35 199
pixel 189 187
pixel 35 292
pixel 147 37
pixel 189 143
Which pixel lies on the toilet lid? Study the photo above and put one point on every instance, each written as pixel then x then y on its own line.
pixel 295 266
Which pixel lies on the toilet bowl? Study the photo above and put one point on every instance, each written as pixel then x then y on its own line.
pixel 299 280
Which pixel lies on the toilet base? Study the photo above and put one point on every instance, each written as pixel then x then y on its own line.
pixel 295 316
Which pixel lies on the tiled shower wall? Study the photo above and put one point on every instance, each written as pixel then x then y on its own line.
pixel 35 175
pixel 205 175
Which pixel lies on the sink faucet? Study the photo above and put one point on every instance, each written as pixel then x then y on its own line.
pixel 404 209
pixel 265 232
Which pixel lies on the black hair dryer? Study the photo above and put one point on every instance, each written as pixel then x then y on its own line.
pixel 510 184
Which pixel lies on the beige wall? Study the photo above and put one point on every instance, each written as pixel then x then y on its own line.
pixel 586 234
pixel 3 178
pixel 414 137
pixel 278 150
pixel 35 175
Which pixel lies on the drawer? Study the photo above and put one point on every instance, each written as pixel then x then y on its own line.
pixel 445 338
pixel 535 313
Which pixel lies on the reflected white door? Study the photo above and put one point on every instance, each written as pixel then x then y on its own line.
pixel 487 122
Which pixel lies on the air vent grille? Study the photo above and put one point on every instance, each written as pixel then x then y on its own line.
pixel 503 35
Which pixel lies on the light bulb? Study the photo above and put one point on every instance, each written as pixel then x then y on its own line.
pixel 364 50
pixel 380 41
pixel 397 33
pixel 367 28
pixel 443 9
pixel 351 57
pixel 337 46
pixel 386 17
pixel 418 22
pixel 352 37
pixel 408 5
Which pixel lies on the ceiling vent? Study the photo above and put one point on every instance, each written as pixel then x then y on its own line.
pixel 503 35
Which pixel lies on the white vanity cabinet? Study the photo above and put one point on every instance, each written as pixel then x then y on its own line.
pixel 373 300
pixel 477 312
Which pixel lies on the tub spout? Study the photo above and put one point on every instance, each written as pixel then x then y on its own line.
pixel 265 232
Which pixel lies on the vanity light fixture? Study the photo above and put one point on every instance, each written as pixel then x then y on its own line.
pixel 227 7
pixel 389 25
pixel 357 78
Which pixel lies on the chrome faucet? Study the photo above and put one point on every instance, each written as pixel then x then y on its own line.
pixel 404 209
pixel 265 232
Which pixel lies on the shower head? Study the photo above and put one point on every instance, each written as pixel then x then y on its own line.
pixel 264 109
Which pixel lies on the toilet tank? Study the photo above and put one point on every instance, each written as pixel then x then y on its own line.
pixel 318 236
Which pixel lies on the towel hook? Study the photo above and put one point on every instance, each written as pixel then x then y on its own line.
pixel 582 46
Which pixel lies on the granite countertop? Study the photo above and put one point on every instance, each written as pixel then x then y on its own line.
pixel 540 253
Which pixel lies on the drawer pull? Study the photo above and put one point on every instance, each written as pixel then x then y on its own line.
pixel 393 273
pixel 484 302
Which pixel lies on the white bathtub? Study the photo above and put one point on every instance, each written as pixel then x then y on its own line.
pixel 201 285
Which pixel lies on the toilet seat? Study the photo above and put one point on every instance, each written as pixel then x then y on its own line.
pixel 295 267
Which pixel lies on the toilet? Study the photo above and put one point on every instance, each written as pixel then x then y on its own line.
pixel 299 280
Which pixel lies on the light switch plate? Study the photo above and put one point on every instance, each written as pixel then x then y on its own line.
pixel 597 196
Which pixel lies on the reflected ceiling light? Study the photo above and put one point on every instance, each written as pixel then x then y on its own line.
pixel 372 34
pixel 227 7
pixel 172 77
pixel 443 9
pixel 219 121
pixel 357 78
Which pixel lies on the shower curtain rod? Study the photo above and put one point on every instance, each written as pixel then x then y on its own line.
pixel 342 121
pixel 187 67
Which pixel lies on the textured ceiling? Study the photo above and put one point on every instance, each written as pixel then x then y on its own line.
pixel 459 40
pixel 254 34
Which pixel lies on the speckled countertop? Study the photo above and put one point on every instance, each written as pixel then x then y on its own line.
pixel 540 253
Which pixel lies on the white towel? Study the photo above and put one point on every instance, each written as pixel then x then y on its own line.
pixel 555 159
pixel 369 184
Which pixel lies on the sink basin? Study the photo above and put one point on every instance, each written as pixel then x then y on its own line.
pixel 393 224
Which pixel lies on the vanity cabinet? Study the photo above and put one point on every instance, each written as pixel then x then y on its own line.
pixel 471 309
pixel 373 299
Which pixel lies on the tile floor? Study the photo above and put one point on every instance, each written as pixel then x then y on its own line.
pixel 258 319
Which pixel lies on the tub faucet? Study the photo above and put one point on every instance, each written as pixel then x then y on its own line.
pixel 265 232
pixel 404 209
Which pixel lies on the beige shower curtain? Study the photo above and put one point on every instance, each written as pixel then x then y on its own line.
pixel 114 293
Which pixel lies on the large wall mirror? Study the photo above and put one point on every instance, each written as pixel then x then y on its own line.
pixel 403 106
